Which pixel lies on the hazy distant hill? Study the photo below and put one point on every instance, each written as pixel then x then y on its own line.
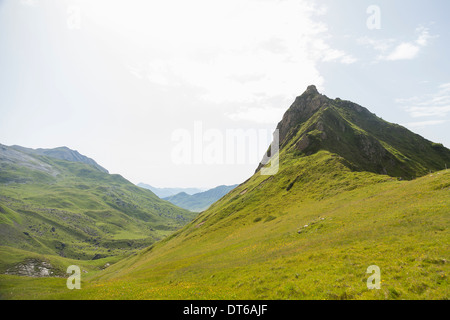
pixel 167 192
pixel 62 153
pixel 199 201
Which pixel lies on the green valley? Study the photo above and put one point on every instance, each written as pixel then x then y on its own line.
pixel 72 209
pixel 352 191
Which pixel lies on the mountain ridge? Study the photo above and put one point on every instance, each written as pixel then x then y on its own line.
pixel 199 201
pixel 62 153
pixel 167 192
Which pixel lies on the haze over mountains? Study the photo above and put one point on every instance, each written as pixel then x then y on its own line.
pixel 199 201
pixel 192 199
pixel 352 190
pixel 167 192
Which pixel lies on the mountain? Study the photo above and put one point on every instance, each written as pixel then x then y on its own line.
pixel 62 153
pixel 344 199
pixel 199 201
pixel 74 209
pixel 365 142
pixel 167 192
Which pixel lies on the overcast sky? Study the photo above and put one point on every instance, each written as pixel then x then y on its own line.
pixel 130 83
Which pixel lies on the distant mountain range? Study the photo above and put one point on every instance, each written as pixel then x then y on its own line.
pixel 200 201
pixel 62 153
pixel 167 192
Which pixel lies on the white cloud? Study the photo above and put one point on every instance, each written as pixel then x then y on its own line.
pixel 422 124
pixel 266 115
pixel 29 3
pixel 431 105
pixel 324 52
pixel 437 111
pixel 236 51
pixel 424 36
pixel 380 45
pixel 404 51
pixel 393 50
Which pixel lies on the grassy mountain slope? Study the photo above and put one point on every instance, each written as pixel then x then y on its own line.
pixel 248 245
pixel 75 210
pixel 308 232
pixel 199 201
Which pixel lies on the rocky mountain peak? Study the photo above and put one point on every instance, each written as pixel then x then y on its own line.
pixel 303 108
pixel 315 122
pixel 311 90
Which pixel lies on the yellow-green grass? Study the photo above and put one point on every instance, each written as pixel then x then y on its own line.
pixel 250 248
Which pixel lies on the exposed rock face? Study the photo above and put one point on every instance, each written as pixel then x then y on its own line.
pixel 300 111
pixel 10 155
pixel 62 153
pixel 32 268
pixel 302 144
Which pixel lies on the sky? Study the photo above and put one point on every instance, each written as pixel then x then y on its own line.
pixel 188 93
